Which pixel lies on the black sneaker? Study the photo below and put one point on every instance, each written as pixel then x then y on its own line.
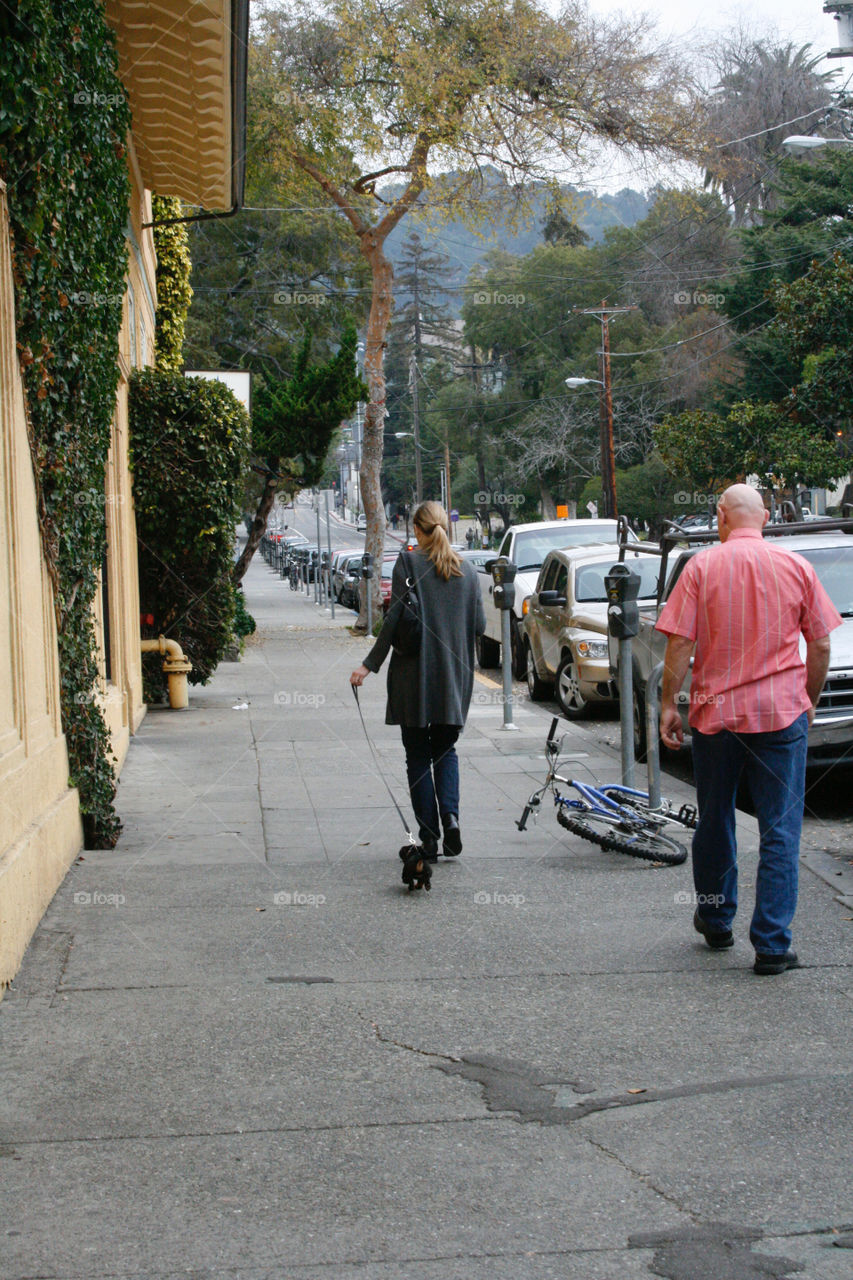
pixel 717 939
pixel 777 963
pixel 452 844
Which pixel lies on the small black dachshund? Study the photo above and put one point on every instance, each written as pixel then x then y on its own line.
pixel 417 872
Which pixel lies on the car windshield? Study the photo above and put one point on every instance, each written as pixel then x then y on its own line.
pixel 834 567
pixel 589 580
pixel 532 547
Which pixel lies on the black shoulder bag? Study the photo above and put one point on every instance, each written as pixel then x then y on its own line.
pixel 407 632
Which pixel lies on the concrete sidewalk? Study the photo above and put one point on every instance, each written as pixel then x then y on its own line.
pixel 237 1049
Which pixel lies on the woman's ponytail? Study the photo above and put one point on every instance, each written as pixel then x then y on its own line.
pixel 431 519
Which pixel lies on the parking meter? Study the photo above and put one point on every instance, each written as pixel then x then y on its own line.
pixel 623 622
pixel 503 575
pixel 623 612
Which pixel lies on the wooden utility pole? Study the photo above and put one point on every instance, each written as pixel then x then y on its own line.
pixel 608 457
pixel 416 428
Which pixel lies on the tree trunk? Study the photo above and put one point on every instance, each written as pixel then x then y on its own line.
pixel 381 306
pixel 259 524
pixel 549 506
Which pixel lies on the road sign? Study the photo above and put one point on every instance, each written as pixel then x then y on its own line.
pixel 454 515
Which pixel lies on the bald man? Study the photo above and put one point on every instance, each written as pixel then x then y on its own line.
pixel 743 606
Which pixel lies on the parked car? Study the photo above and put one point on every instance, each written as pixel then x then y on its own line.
pixel 361 523
pixel 527 546
pixel 565 626
pixel 830 738
pixel 346 562
pixel 477 556
pixel 388 562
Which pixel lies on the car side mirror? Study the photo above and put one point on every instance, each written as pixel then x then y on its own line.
pixel 487 565
pixel 551 599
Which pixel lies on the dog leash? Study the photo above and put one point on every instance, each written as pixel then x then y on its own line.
pixel 412 840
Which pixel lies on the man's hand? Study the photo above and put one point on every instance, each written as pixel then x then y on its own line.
pixel 671 728
pixel 359 674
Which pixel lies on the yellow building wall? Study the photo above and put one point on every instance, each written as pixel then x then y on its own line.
pixel 40 828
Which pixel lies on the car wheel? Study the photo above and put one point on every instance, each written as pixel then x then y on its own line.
pixel 639 718
pixel 568 691
pixel 488 653
pixel 516 647
pixel 538 689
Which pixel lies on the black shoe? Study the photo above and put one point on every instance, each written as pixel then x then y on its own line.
pixel 717 939
pixel 417 872
pixel 452 844
pixel 777 963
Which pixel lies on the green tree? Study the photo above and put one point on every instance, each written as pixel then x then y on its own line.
pixel 363 92
pixel 293 422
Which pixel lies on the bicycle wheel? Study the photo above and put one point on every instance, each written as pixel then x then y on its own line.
pixel 610 833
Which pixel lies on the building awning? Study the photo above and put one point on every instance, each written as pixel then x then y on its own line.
pixel 183 63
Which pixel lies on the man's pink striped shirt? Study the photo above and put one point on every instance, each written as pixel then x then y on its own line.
pixel 745 603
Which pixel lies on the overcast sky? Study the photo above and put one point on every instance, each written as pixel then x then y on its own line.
pixel 797 21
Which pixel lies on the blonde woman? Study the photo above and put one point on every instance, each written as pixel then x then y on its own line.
pixel 429 692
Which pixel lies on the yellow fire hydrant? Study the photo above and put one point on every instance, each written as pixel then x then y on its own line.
pixel 175 668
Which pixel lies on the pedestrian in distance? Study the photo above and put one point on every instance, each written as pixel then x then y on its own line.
pixel 429 692
pixel 743 604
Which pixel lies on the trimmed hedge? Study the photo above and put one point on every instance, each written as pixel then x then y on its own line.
pixel 189 443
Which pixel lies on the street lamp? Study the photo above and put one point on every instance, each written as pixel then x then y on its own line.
pixel 801 144
pixel 608 460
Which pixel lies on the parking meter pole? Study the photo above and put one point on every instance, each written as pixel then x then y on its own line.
pixel 329 549
pixel 503 574
pixel 653 691
pixel 318 578
pixel 626 710
pixel 506 668
pixel 367 575
pixel 623 623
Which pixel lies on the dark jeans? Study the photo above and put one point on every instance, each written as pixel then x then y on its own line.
pixel 432 768
pixel 774 765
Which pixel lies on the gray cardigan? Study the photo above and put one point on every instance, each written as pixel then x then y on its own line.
pixel 434 685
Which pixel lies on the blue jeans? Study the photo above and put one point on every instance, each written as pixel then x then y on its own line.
pixel 774 765
pixel 432 768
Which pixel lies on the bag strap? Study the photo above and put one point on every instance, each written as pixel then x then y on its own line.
pixel 406 828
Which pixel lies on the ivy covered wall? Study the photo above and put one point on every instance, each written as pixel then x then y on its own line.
pixel 63 124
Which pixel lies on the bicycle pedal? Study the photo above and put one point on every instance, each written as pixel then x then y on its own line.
pixel 688 814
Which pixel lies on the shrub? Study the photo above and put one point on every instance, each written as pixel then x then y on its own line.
pixel 189 442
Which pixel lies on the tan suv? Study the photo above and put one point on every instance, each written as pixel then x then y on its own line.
pixel 565 625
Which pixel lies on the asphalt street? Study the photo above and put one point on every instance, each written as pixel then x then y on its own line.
pixel 238 1050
